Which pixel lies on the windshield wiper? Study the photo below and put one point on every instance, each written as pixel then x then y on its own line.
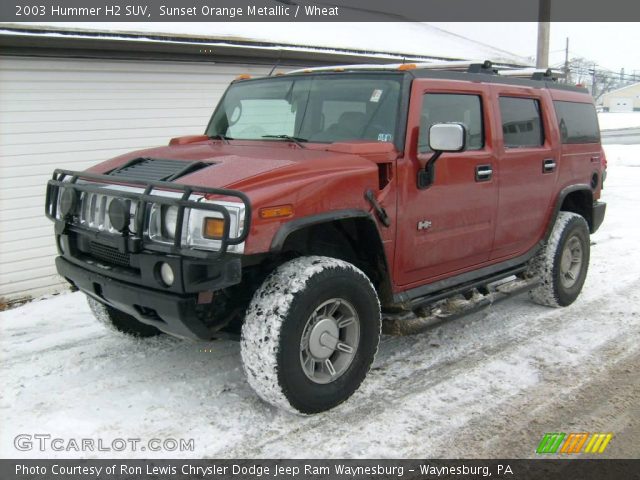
pixel 220 136
pixel 297 140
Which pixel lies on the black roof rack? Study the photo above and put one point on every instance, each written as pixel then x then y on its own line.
pixel 461 70
pixel 486 67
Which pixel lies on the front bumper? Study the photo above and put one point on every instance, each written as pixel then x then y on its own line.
pixel 111 255
pixel 192 275
pixel 178 314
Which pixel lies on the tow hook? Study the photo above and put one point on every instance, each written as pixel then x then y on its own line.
pixel 380 211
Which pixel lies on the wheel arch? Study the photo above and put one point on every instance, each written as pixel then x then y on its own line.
pixel 576 198
pixel 337 234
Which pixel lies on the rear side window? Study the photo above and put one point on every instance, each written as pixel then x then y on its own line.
pixel 521 122
pixel 450 107
pixel 578 122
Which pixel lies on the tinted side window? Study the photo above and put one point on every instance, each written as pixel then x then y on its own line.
pixel 578 122
pixel 521 122
pixel 449 107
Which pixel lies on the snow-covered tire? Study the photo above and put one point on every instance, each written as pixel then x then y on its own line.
pixel 562 263
pixel 292 309
pixel 120 321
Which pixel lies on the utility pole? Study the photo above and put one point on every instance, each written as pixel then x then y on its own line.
pixel 567 73
pixel 544 26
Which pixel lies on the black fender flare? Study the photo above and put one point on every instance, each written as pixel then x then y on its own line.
pixel 560 200
pixel 286 229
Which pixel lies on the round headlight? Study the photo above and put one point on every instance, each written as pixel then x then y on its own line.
pixel 68 202
pixel 169 222
pixel 166 274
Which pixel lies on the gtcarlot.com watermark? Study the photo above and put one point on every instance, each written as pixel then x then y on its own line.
pixel 45 442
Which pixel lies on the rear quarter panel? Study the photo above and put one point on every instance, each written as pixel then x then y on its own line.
pixel 578 162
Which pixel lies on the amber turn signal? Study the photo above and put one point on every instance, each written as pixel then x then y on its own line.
pixel 276 212
pixel 213 228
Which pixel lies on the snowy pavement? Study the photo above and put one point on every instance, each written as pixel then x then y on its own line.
pixel 618 120
pixel 486 385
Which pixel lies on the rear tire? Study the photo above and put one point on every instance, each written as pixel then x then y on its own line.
pixel 120 321
pixel 310 334
pixel 563 262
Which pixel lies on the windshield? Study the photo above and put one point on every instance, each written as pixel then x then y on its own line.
pixel 314 108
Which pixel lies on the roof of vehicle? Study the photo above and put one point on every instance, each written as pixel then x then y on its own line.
pixel 480 71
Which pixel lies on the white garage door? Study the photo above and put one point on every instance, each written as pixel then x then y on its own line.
pixel 621 104
pixel 73 113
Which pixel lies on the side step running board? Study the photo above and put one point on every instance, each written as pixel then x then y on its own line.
pixel 411 323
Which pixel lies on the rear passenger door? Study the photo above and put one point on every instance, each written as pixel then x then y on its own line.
pixel 527 163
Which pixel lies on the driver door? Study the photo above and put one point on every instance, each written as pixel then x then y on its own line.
pixel 448 227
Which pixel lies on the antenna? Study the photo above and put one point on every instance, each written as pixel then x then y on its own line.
pixel 275 65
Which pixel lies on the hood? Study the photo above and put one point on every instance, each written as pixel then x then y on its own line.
pixel 243 165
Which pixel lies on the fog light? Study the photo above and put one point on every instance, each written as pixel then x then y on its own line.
pixel 119 214
pixel 166 274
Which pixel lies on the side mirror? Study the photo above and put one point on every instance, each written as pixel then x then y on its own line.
pixel 443 137
pixel 447 137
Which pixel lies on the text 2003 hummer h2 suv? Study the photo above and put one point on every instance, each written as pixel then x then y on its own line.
pixel 318 199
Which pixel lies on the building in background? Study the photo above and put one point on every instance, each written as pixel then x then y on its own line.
pixel 73 95
pixel 625 99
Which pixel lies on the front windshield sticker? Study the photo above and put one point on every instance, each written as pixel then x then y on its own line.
pixel 375 96
pixel 385 137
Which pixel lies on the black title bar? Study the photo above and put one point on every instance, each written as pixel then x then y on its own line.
pixel 548 469
pixel 317 11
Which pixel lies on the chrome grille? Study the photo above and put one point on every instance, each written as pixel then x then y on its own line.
pixel 94 212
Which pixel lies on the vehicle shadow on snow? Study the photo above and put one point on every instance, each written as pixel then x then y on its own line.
pixel 217 366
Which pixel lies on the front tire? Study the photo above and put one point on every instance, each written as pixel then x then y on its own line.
pixel 120 321
pixel 563 263
pixel 310 334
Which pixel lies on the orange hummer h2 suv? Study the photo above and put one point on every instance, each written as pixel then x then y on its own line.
pixel 320 204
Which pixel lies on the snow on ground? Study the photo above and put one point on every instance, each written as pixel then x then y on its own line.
pixel 486 385
pixel 614 121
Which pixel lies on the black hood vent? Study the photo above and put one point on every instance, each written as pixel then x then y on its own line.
pixel 157 169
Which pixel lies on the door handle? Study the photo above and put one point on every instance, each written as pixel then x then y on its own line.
pixel 548 165
pixel 483 173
